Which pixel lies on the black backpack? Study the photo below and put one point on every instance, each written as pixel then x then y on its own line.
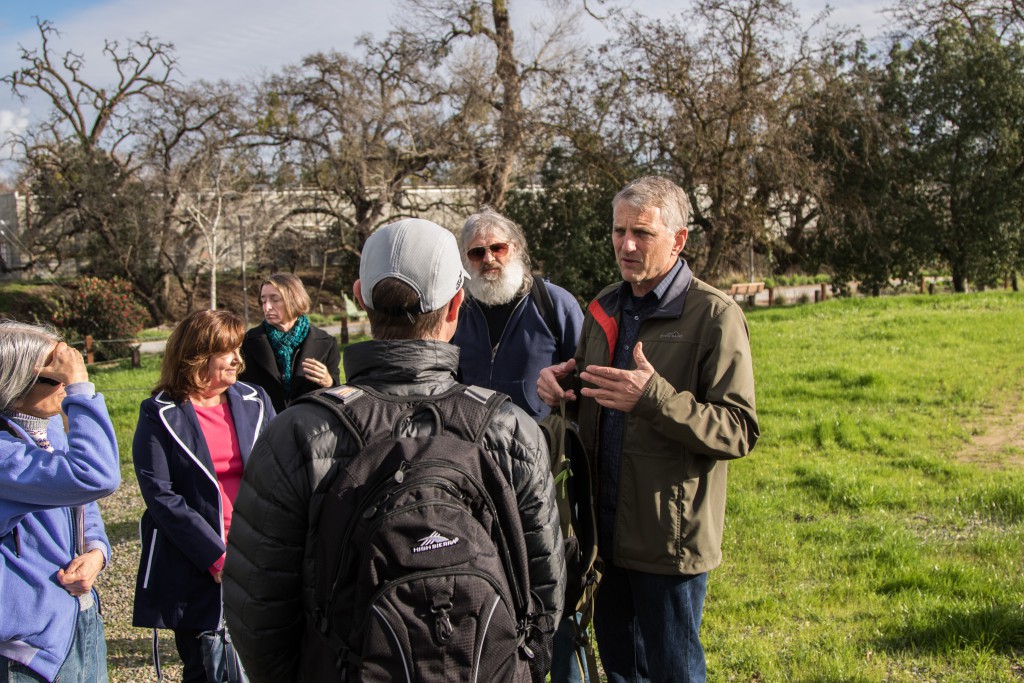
pixel 570 467
pixel 421 570
pixel 542 300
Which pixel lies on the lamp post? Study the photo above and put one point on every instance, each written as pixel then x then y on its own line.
pixel 751 259
pixel 245 288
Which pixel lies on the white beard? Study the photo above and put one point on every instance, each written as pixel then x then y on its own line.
pixel 497 288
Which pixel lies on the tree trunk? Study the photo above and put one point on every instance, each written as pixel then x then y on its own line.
pixel 510 121
pixel 959 281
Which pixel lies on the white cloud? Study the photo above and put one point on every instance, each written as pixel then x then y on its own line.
pixel 213 39
pixel 13 122
pixel 229 38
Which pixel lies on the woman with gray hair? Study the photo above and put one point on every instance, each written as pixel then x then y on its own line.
pixel 52 541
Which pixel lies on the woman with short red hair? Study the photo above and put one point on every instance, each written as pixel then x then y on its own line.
pixel 191 444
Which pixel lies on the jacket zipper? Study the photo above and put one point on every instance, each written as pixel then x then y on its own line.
pixel 501 339
pixel 74 531
pixel 77 602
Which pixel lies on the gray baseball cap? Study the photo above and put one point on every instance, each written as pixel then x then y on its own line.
pixel 418 252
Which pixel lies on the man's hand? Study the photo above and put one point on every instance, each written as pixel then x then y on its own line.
pixel 547 383
pixel 81 573
pixel 619 389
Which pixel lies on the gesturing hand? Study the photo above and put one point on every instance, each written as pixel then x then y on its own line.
pixel 548 388
pixel 616 388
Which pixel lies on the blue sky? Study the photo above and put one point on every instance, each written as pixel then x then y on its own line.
pixel 234 39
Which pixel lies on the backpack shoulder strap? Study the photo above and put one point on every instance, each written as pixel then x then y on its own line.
pixel 542 299
pixel 334 399
pixel 464 410
pixel 469 412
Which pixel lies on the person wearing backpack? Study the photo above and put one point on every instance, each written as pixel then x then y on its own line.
pixel 666 401
pixel 326 519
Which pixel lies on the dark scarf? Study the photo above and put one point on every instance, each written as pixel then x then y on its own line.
pixel 284 345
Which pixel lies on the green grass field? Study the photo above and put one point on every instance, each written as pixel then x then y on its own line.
pixel 876 532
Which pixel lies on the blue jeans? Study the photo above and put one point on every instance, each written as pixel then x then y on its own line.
pixel 203 657
pixel 86 663
pixel 648 626
pixel 566 659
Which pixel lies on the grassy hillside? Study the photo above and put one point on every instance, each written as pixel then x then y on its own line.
pixel 875 533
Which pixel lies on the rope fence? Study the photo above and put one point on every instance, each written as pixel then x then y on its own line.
pixel 90 345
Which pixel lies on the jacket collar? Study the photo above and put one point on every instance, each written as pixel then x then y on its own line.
pixel 179 418
pixel 670 305
pixel 248 413
pixel 606 307
pixel 405 361
pixel 263 354
pixel 16 430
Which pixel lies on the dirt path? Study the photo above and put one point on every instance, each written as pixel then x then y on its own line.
pixel 998 440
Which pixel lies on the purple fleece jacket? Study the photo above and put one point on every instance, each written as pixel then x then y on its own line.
pixel 37 489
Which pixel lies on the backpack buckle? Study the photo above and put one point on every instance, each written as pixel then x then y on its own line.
pixel 443 628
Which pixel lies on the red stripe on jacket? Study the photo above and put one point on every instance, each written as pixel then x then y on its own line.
pixel 609 324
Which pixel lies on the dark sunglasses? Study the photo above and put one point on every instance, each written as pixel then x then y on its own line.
pixel 48 380
pixel 477 253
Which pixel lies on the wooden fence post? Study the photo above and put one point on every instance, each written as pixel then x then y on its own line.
pixel 771 297
pixel 344 331
pixel 136 356
pixel 824 291
pixel 88 348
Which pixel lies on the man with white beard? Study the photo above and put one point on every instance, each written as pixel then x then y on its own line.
pixel 512 324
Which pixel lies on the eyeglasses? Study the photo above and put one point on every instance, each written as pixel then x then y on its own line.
pixel 48 380
pixel 477 253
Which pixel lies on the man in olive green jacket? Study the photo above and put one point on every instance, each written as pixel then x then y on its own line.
pixel 667 399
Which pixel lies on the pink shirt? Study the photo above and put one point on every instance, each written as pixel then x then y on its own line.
pixel 219 430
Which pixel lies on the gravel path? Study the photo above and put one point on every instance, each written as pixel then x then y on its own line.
pixel 129 657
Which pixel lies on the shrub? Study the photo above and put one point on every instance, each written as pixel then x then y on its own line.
pixel 106 309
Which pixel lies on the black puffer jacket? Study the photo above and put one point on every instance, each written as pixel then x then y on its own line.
pixel 268 578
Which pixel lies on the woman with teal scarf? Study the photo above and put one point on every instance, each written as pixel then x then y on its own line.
pixel 286 355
